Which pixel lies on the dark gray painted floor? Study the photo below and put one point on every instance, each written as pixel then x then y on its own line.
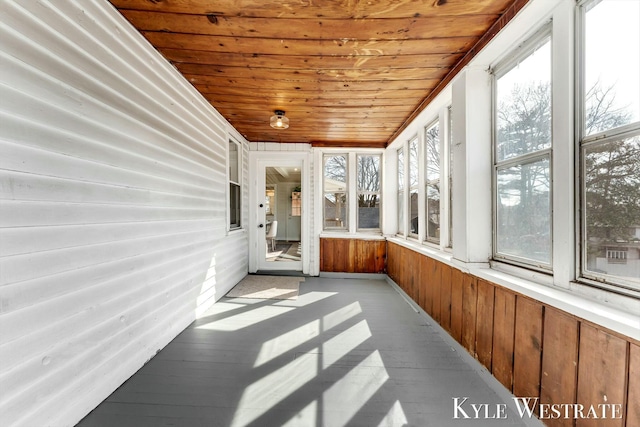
pixel 348 352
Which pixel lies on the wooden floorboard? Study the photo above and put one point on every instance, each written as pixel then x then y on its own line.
pixel 347 352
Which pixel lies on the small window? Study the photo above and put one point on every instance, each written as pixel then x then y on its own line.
pixel 432 183
pixel 414 165
pixel 335 187
pixel 235 189
pixel 522 157
pixel 369 185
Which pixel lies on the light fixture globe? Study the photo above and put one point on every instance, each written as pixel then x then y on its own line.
pixel 278 120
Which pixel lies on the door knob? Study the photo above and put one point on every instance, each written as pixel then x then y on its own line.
pixel 261 225
pixel 261 205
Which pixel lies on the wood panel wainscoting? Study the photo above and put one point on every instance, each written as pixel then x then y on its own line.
pixel 352 255
pixel 533 349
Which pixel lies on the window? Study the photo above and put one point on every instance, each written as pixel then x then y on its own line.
pixel 610 142
pixel 296 203
pixel 450 177
pixel 432 183
pixel 401 207
pixel 522 156
pixel 335 191
pixel 369 183
pixel 413 187
pixel 235 188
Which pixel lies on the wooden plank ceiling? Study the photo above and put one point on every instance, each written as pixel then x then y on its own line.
pixel 347 72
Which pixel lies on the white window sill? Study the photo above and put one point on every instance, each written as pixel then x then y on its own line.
pixel 360 235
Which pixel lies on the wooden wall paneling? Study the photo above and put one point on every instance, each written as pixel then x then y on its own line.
pixel 391 261
pixel 602 372
pixel 633 395
pixel 559 361
pixel 364 256
pixel 469 312
pixel 415 275
pixel 484 325
pixel 429 285
pixel 503 336
pixel 381 257
pixel 327 253
pixel 527 358
pixel 456 304
pixel 435 278
pixel 351 255
pixel 445 297
pixel 424 282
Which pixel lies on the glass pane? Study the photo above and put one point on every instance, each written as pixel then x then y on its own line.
pixel 432 188
pixel 234 205
pixel 368 211
pixel 401 169
pixel 369 173
pixel 335 173
pixel 433 212
pixel 401 225
pixel 612 65
pixel 524 211
pixel 233 162
pixel 612 208
pixel 413 213
pixel 335 210
pixel 450 145
pixel 523 99
pixel 413 163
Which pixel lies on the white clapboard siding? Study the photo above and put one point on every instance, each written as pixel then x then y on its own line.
pixel 113 206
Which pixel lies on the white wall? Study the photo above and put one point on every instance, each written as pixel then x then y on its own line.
pixel 112 207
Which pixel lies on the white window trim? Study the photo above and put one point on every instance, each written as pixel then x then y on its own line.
pixel 352 229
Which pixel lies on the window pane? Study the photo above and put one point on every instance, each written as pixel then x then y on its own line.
pixel 612 208
pixel 369 173
pixel 335 173
pixel 413 163
pixel 401 225
pixel 233 162
pixel 335 210
pixel 401 169
pixel 413 214
pixel 368 191
pixel 523 101
pixel 523 212
pixel 612 65
pixel 234 205
pixel 368 211
pixel 432 187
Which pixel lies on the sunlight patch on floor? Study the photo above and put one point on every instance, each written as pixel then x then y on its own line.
pixel 273 388
pixel 286 342
pixel 395 417
pixel 345 342
pixel 246 319
pixel 356 387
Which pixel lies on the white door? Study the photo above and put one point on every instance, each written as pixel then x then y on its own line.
pixel 278 215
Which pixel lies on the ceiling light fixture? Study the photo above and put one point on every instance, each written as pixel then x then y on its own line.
pixel 279 121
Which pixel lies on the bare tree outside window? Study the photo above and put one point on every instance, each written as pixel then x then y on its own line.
pixel 432 183
pixel 369 183
pixel 335 190
pixel 523 160
pixel 413 187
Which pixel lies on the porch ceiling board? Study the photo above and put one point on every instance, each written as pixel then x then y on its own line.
pixel 374 64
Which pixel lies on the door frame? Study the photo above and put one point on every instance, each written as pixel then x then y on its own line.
pixel 258 162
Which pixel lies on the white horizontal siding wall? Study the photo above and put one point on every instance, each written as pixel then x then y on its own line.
pixel 113 231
